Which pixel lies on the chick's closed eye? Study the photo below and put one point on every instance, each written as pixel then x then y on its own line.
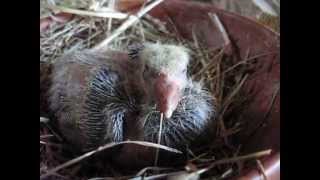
pixel 149 73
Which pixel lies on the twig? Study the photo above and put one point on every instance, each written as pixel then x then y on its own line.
pixel 196 43
pixel 196 158
pixel 227 173
pixel 103 14
pixel 44 120
pixel 159 140
pixel 111 178
pixel 159 25
pixel 205 68
pixel 137 176
pixel 142 171
pixel 240 158
pixel 225 106
pixel 51 144
pixel 228 100
pixel 270 108
pixel 141 30
pixel 111 4
pixel 245 61
pixel 53 132
pixel 60 176
pixel 158 176
pixel 239 164
pixel 261 168
pixel 47 136
pixel 240 63
pixel 101 148
pixel 215 19
pixel 131 20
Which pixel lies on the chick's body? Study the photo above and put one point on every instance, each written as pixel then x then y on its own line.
pixel 97 98
pixel 88 97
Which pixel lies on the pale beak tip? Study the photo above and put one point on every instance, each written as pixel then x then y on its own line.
pixel 168 114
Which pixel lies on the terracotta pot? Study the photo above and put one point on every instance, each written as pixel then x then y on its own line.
pixel 264 84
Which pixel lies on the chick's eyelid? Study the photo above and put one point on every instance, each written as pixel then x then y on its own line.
pixel 155 74
pixel 146 68
pixel 150 72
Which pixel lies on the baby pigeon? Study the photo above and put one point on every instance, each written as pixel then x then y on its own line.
pixel 107 96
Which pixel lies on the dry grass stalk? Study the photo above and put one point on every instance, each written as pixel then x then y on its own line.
pixel 102 14
pixel 159 140
pixel 219 162
pixel 112 6
pixel 215 19
pixel 255 155
pixel 261 168
pixel 227 173
pixel 131 20
pixel 44 120
pixel 210 65
pixel 102 148
pixel 203 58
pixel 46 136
pixel 156 168
pixel 270 107
pixel 111 178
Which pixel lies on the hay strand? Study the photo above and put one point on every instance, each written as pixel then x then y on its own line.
pixel 102 148
pixel 131 20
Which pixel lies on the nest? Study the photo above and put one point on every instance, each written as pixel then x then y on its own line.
pixel 224 75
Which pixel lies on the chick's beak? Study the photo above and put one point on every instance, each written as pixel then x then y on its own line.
pixel 168 94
